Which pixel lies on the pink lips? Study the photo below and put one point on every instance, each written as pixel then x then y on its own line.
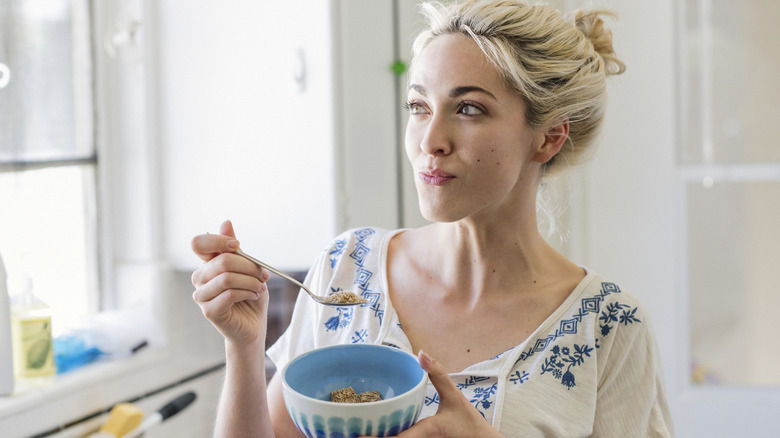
pixel 435 177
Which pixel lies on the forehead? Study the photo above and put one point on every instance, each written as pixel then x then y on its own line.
pixel 452 60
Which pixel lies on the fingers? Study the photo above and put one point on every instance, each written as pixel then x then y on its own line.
pixel 224 281
pixel 219 306
pixel 438 376
pixel 241 286
pixel 207 246
pixel 227 262
pixel 226 229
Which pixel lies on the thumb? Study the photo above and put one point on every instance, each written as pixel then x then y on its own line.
pixel 226 229
pixel 207 246
pixel 438 376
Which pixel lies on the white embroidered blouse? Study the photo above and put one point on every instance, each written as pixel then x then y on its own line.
pixel 591 369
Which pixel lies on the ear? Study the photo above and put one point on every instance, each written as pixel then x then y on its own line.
pixel 552 142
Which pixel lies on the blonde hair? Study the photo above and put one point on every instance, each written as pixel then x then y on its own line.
pixel 559 65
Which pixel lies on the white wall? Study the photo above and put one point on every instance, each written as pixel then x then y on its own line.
pixel 630 196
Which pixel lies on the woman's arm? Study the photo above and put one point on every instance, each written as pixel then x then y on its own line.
pixel 246 407
pixel 243 406
pixel 232 295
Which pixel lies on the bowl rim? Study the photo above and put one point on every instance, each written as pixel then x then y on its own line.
pixel 423 381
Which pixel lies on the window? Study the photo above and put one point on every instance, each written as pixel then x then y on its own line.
pixel 730 176
pixel 47 153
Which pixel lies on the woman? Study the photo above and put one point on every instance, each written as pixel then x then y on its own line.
pixel 517 340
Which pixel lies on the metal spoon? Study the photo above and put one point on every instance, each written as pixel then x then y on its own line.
pixel 327 301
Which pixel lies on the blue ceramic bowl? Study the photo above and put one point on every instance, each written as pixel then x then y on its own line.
pixel 309 379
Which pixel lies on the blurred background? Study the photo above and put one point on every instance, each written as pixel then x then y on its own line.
pixel 129 126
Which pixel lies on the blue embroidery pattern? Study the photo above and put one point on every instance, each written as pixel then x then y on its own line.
pixel 482 397
pixel 363 277
pixel 359 336
pixel 344 315
pixel 336 252
pixel 611 315
pixel 434 400
pixel 562 361
pixel 560 357
pixel 360 253
pixel 589 305
pixel 516 377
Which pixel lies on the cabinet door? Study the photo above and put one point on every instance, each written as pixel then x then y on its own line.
pixel 246 125
pixel 367 143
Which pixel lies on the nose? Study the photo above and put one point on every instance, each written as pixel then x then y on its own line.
pixel 437 137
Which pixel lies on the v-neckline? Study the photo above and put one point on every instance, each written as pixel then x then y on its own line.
pixel 392 320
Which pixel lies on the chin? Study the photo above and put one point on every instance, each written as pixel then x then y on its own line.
pixel 437 205
pixel 438 213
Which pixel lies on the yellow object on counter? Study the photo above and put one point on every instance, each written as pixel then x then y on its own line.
pixel 33 345
pixel 124 417
pixel 33 351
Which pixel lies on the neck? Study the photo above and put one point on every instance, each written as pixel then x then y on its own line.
pixel 480 257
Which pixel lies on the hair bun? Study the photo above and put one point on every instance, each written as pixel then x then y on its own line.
pixel 591 25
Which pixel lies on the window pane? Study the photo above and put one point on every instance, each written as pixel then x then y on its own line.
pixel 734 248
pixel 731 64
pixel 45 110
pixel 47 231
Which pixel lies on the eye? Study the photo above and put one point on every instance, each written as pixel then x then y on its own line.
pixel 468 109
pixel 415 108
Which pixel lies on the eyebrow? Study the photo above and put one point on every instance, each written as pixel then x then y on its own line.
pixel 457 91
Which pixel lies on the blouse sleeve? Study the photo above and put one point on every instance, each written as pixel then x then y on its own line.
pixel 344 265
pixel 631 400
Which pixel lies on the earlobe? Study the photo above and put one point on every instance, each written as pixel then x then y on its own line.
pixel 553 141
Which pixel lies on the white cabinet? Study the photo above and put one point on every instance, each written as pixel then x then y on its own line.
pixel 279 116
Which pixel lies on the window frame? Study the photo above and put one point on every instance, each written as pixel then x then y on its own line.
pixel 132 270
pixel 130 216
pixel 85 151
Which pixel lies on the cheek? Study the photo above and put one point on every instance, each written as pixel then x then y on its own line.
pixel 411 143
pixel 491 159
pixel 495 168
